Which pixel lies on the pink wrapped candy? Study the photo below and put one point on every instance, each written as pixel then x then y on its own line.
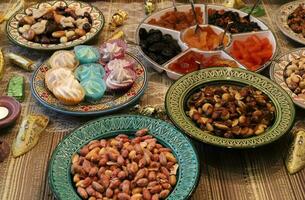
pixel 112 50
pixel 119 63
pixel 120 75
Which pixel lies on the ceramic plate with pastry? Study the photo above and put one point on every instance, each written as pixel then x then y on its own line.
pixel 54 25
pixel 90 80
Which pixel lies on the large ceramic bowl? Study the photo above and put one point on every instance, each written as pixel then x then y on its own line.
pixel 98 22
pixel 179 92
pixel 224 54
pixel 110 102
pixel 59 176
pixel 277 73
pixel 281 18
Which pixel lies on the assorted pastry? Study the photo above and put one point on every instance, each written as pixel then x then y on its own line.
pixel 63 58
pixel 91 77
pixel 239 24
pixel 158 46
pixel 63 84
pixel 114 49
pixel 87 73
pixel 193 61
pixel 294 75
pixel 253 52
pixel 120 75
pixel 53 25
pixel 178 20
pixel 205 38
pixel 124 167
pixel 231 111
pixel 296 20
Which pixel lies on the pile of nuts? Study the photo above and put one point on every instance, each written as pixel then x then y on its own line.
pixel 294 75
pixel 231 111
pixel 53 25
pixel 125 169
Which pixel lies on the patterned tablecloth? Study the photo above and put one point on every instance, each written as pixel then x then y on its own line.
pixel 225 173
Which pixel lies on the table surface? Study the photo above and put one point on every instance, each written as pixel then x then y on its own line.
pixel 225 173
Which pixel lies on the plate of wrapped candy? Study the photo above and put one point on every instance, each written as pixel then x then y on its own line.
pixel 124 157
pixel 55 25
pixel 290 20
pixel 167 39
pixel 230 107
pixel 90 80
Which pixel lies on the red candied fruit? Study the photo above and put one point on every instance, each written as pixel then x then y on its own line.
pixel 252 52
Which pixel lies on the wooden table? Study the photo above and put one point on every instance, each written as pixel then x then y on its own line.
pixel 225 173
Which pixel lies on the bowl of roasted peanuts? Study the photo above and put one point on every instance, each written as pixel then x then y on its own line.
pixel 124 157
pixel 230 108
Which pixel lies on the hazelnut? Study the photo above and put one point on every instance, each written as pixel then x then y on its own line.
pixel 302 84
pixel 296 78
pixel 226 96
pixel 207 108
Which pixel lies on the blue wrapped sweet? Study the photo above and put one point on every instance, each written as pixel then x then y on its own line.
pixel 94 89
pixel 89 71
pixel 86 54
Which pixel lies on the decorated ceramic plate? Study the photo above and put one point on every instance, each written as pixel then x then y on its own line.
pixel 110 102
pixel 180 91
pixel 59 176
pixel 12 27
pixel 167 60
pixel 282 17
pixel 277 71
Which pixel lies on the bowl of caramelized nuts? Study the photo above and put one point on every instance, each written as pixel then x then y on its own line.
pixel 54 25
pixel 230 107
pixel 124 157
